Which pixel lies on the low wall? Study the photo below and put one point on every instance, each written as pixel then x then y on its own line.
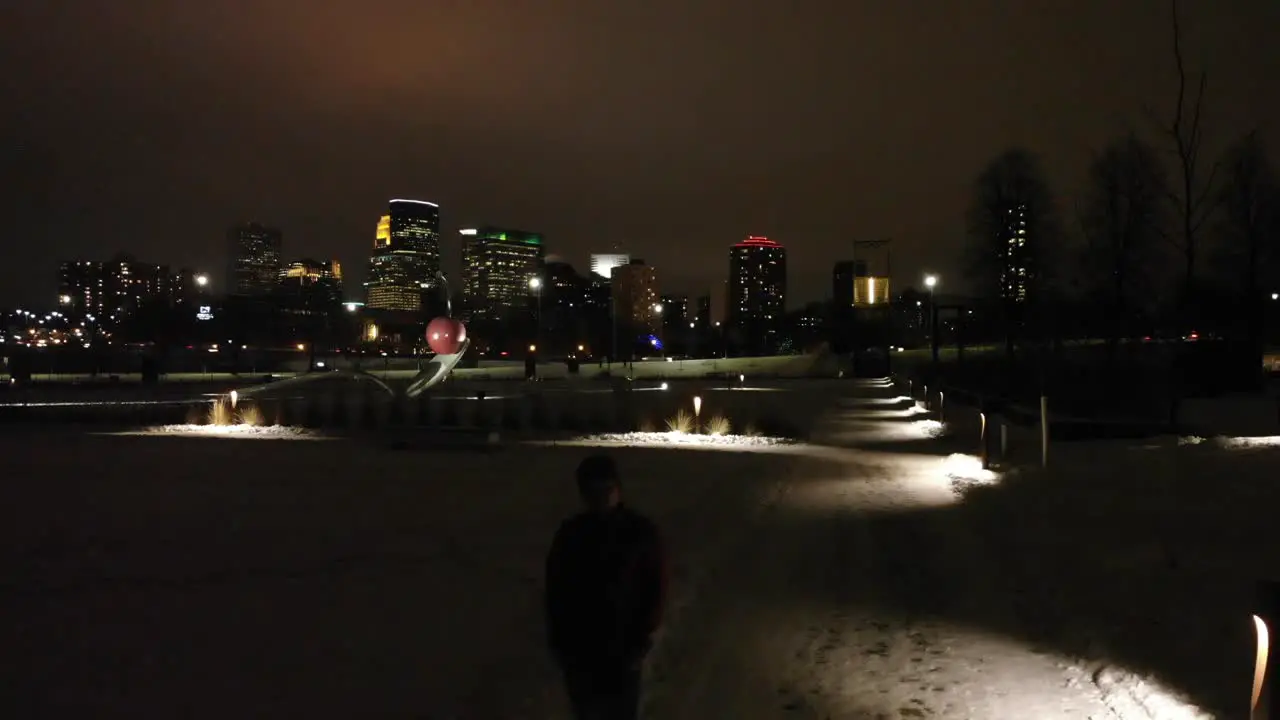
pixel 767 411
pixel 784 366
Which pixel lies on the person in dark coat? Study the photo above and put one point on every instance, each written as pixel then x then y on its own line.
pixel 605 594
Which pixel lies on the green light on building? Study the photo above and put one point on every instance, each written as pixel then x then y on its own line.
pixel 514 236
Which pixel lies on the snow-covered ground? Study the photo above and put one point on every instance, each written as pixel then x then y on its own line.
pixel 879 574
pixel 239 431
pixel 678 439
pixel 913 583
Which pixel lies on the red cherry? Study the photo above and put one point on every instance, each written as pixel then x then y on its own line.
pixel 445 335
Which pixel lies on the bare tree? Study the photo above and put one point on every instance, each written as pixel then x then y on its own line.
pixel 1011 226
pixel 1193 198
pixel 1249 202
pixel 1120 217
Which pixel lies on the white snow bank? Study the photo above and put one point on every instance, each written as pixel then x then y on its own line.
pixel 262 432
pixel 669 439
pixel 1234 443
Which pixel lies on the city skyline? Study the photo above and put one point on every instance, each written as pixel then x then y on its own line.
pixel 163 172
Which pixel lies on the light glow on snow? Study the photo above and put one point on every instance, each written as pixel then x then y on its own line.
pixel 928 428
pixel 256 432
pixel 1233 443
pixel 965 472
pixel 1131 697
pixel 1247 443
pixel 679 439
pixel 959 466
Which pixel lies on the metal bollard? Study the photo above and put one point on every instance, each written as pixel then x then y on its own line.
pixel 1263 703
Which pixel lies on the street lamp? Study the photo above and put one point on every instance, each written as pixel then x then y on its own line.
pixel 535 284
pixel 202 280
pixel 657 310
pixel 931 282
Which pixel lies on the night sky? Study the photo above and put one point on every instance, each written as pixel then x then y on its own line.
pixel 672 128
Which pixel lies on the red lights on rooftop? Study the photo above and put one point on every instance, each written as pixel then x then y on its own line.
pixel 757 241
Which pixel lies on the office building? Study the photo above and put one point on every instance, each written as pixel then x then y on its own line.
pixel 253 260
pixel 566 307
pixel 870 290
pixel 406 256
pixel 757 293
pixel 311 284
pixel 497 265
pixel 602 264
pixel 843 279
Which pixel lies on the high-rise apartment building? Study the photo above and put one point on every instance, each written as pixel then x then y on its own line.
pixel 602 264
pixel 702 316
pixel 406 256
pixel 635 298
pixel 111 290
pixel 1016 267
pixel 497 265
pixel 757 292
pixel 253 259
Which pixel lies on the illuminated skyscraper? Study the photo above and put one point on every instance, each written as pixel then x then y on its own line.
pixel 253 259
pixel 497 265
pixel 406 256
pixel 843 281
pixel 602 264
pixel 757 293
pixel 311 284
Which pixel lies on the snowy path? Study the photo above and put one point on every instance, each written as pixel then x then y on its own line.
pixel 835 605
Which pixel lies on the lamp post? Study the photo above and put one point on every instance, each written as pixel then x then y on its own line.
pixel 931 282
pixel 657 310
pixel 535 284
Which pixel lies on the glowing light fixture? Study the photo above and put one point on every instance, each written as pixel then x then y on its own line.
pixel 1260 660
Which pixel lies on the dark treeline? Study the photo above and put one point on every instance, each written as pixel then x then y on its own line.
pixel 1164 241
